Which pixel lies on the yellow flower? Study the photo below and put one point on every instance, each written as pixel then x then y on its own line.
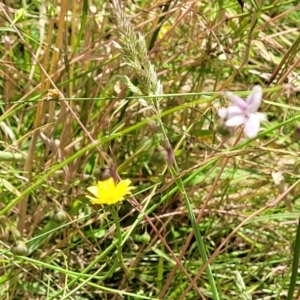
pixel 163 30
pixel 108 192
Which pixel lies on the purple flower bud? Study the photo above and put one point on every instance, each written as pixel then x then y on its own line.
pixel 170 157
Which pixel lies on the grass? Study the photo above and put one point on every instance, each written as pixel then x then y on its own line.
pixel 214 215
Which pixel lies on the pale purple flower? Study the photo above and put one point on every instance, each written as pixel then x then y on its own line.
pixel 244 112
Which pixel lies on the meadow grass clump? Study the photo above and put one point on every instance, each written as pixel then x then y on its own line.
pixel 140 90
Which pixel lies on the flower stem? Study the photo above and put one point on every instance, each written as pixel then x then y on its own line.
pixel 114 212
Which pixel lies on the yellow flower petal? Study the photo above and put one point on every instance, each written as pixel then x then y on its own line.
pixel 108 192
pixel 93 190
pixel 92 199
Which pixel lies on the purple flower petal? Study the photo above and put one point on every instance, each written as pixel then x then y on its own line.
pixel 233 111
pixel 251 126
pixel 239 102
pixel 262 117
pixel 254 99
pixel 230 112
pixel 235 121
pixel 222 112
